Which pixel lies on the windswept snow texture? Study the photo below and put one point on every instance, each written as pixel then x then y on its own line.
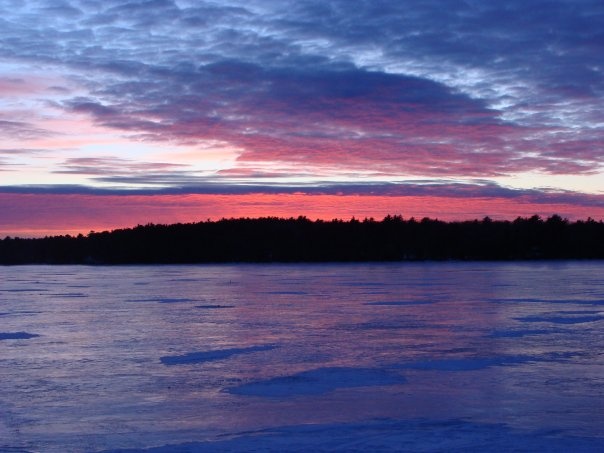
pixel 344 357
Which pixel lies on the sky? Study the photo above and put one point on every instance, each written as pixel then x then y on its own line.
pixel 115 113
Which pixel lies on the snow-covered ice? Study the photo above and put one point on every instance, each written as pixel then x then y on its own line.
pixel 331 357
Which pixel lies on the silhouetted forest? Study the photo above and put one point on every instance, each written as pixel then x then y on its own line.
pixel 300 239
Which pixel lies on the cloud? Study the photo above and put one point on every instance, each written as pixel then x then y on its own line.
pixel 20 151
pixel 21 130
pixel 318 117
pixel 424 87
pixel 427 189
pixel 107 166
pixel 8 157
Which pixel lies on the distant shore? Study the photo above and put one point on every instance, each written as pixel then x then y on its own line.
pixel 272 239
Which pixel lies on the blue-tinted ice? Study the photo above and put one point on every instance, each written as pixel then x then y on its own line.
pixel 361 357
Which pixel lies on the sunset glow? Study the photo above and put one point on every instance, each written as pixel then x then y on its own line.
pixel 121 112
pixel 74 214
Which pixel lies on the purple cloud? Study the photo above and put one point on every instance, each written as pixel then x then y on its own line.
pixel 422 88
pixel 21 130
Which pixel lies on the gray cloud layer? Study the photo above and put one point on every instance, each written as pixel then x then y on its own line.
pixel 419 188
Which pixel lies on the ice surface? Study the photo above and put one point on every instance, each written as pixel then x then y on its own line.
pixel 319 381
pixel 389 436
pixel 348 357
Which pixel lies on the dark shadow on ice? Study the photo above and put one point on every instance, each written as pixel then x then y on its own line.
pixel 24 290
pixel 209 356
pixel 164 300
pixel 561 319
pixel 520 333
pixel 214 306
pixel 389 436
pixel 319 381
pixel 520 300
pixel 174 300
pixel 467 364
pixel 17 335
pixel 549 301
pixel 401 303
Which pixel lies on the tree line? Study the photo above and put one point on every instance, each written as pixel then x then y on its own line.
pixel 272 239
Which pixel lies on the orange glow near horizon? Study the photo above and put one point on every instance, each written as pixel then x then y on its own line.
pixel 35 215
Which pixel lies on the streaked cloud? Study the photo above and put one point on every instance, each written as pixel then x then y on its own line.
pixel 20 130
pixel 420 188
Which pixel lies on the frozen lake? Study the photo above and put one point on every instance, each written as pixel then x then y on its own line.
pixel 351 357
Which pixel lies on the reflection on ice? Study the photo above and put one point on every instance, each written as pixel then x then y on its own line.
pixel 413 356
